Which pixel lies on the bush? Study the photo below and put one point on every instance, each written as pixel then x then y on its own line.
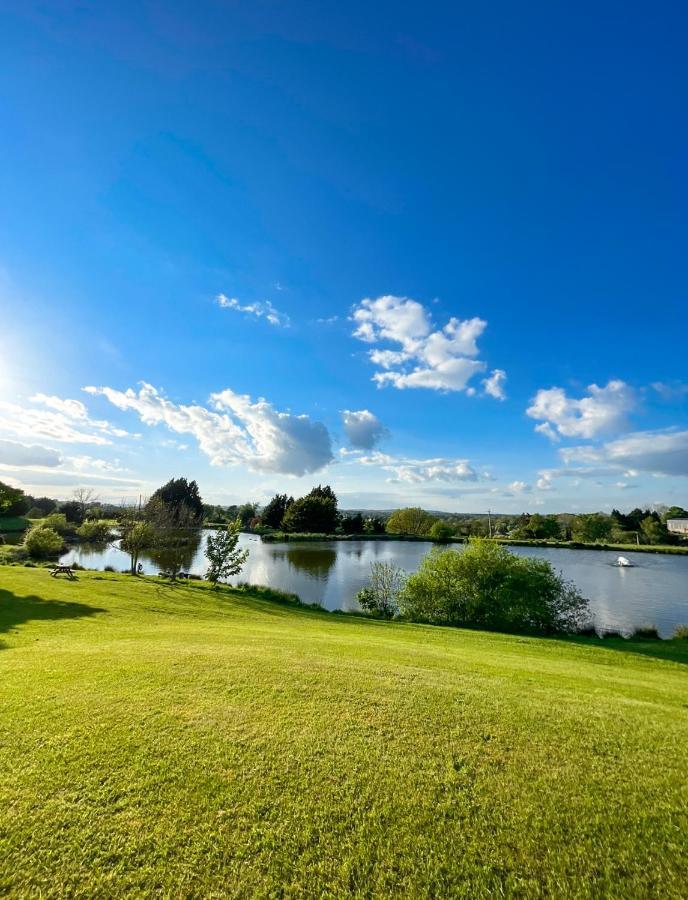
pixel 381 597
pixel 43 542
pixel 55 521
pixel 681 632
pixel 486 586
pixel 645 633
pixel 612 634
pixel 440 531
pixel 94 531
pixel 109 569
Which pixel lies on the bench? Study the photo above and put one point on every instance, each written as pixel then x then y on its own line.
pixel 62 570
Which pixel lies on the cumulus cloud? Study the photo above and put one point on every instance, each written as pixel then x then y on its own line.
pixel 63 420
pixel 603 411
pixel 15 454
pixel 264 310
pixel 425 357
pixel 494 384
pixel 363 429
pixel 419 471
pixel 656 452
pixel 235 430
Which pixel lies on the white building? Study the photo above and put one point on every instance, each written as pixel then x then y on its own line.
pixel 678 526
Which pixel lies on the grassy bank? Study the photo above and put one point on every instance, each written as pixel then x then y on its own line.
pixel 11 524
pixel 166 740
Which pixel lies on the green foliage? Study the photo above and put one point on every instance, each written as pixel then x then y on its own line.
pixel 316 512
pixel 645 633
pixel 674 512
pixel 12 501
pixel 681 632
pixel 486 586
pixel 537 527
pixel 440 531
pixel 224 557
pixel 73 511
pixel 592 527
pixel 374 525
pixel 353 524
pixel 181 501
pixel 137 537
pixel 411 520
pixel 56 521
pixel 94 531
pixel 43 542
pixel 274 511
pixel 381 596
pixel 654 531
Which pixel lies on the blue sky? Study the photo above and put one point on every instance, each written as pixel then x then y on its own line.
pixel 428 253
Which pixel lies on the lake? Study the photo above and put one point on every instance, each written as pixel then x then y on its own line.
pixel 653 592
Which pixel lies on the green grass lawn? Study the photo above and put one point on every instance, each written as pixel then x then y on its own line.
pixel 164 740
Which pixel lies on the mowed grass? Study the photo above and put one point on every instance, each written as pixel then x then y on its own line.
pixel 166 740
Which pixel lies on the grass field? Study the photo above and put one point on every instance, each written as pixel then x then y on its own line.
pixel 164 740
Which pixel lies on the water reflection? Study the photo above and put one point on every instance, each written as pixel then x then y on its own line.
pixel 315 562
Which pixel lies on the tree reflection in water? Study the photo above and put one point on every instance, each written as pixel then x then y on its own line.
pixel 316 562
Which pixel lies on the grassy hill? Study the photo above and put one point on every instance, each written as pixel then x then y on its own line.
pixel 165 740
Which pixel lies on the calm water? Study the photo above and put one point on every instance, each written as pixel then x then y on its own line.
pixel 654 591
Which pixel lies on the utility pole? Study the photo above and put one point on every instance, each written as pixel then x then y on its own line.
pixel 489 523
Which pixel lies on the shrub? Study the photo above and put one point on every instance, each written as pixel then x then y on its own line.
pixel 681 632
pixel 645 633
pixel 440 531
pixel 611 633
pixel 109 569
pixel 94 531
pixel 587 630
pixel 486 586
pixel 43 542
pixel 381 597
pixel 56 521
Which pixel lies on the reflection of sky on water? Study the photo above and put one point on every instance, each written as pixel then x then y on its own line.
pixel 654 591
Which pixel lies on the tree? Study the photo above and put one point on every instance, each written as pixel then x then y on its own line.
pixel 274 511
pixel 181 499
pixel 73 511
pixel 486 586
pixel 381 596
pixel 45 503
pixel 353 524
pixel 674 512
pixel 374 525
pixel 537 527
pixel 441 531
pixel 411 520
pixel 177 535
pixel 246 513
pixel 13 501
pixel 316 512
pixel 224 557
pixel 136 538
pixel 592 527
pixel 84 497
pixel 654 531
pixel 43 542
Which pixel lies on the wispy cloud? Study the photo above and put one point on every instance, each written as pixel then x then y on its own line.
pixel 57 419
pixel 261 310
pixel 417 471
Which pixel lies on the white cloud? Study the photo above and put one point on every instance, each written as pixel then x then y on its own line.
pixel 494 384
pixel 603 411
pixel 443 359
pixel 15 454
pixel 363 429
pixel 520 487
pixel 419 471
pixel 236 430
pixel 261 310
pixel 657 452
pixel 670 391
pixel 63 420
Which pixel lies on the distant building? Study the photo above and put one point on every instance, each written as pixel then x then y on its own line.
pixel 678 526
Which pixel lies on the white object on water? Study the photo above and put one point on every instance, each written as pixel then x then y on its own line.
pixel 623 562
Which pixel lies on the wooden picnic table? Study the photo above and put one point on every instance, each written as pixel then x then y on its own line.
pixel 62 570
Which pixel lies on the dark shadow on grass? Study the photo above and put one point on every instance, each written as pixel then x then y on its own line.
pixel 672 650
pixel 16 610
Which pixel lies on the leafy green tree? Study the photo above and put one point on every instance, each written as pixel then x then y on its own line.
pixel 57 521
pixel 537 527
pixel 43 542
pixel 674 512
pixel 137 537
pixel 374 525
pixel 487 586
pixel 182 500
pixel 353 524
pixel 224 557
pixel 654 531
pixel 72 511
pixel 45 503
pixel 246 513
pixel 592 527
pixel 13 502
pixel 441 531
pixel 316 512
pixel 94 531
pixel 381 596
pixel 274 511
pixel 410 520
